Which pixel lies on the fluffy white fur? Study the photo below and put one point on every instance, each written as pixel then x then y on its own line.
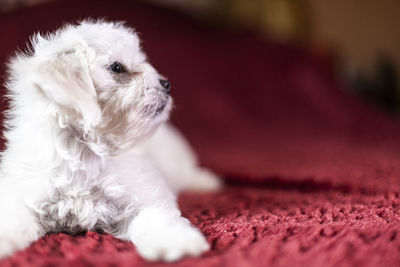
pixel 89 148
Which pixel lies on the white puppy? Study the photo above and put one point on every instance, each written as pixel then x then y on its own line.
pixel 88 147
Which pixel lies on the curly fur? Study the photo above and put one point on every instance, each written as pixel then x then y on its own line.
pixel 90 149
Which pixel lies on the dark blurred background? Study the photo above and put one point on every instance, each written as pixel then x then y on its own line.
pixel 360 40
pixel 262 88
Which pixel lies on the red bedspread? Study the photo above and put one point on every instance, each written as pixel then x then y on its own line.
pixel 313 173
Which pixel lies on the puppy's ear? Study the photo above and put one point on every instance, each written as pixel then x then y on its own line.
pixel 64 77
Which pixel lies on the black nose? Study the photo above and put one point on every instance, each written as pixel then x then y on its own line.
pixel 166 85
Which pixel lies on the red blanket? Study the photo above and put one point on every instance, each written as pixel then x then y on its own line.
pixel 313 173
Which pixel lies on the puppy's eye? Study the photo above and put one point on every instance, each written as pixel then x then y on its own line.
pixel 117 68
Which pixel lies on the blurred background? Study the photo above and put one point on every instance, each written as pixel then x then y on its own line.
pixel 262 88
pixel 360 41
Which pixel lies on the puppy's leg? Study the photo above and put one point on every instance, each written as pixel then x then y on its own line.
pixel 158 231
pixel 175 158
pixel 18 226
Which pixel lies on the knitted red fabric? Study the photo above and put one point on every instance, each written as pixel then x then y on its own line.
pixel 312 173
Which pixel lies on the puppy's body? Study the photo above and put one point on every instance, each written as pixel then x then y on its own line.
pixel 88 147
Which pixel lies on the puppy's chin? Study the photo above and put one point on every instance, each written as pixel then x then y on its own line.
pixel 156 113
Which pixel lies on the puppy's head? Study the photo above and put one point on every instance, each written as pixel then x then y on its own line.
pixel 100 80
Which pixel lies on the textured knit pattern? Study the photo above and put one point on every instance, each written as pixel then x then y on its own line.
pixel 256 227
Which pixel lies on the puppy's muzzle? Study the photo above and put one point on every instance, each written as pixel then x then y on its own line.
pixel 166 85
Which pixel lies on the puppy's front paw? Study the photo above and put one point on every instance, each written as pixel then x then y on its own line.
pixel 13 239
pixel 6 248
pixel 171 244
pixel 168 241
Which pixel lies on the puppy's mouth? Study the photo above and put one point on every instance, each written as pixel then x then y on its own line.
pixel 161 106
pixel 160 109
pixel 157 108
